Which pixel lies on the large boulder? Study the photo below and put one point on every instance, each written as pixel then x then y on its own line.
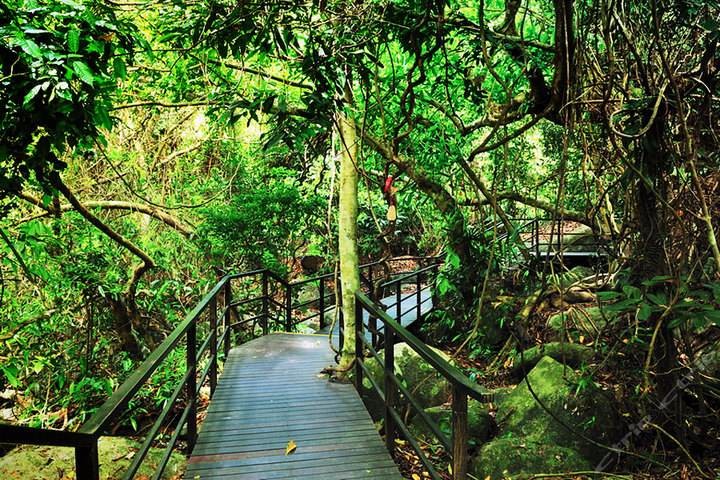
pixel 426 385
pixel 481 423
pixel 546 425
pixel 52 463
pixel 521 458
pixel 572 354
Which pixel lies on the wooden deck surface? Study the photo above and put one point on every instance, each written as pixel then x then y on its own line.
pixel 270 393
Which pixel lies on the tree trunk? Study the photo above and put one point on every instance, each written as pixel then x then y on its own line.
pixel 347 231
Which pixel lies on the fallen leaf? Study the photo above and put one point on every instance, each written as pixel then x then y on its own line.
pixel 290 448
pixel 415 476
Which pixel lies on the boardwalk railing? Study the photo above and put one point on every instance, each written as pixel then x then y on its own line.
pixel 384 336
pixel 239 306
pixel 206 323
pixel 547 240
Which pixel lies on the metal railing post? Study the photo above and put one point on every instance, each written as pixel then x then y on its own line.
pixel 288 307
pixel 87 463
pixel 191 387
pixel 321 304
pixel 358 344
pixel 371 290
pixel 226 319
pixel 419 295
pixel 459 433
pixel 390 393
pixel 265 302
pixel 213 345
pixel 398 302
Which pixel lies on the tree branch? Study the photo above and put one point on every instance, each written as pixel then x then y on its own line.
pixel 156 213
pixel 572 215
pixel 260 73
pixel 146 262
pixel 157 103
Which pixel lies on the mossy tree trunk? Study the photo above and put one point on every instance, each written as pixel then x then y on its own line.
pixel 347 231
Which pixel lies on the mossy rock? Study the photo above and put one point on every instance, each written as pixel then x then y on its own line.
pixel 53 463
pixel 426 385
pixel 481 424
pixel 571 354
pixel 519 458
pixel 588 321
pixel 587 411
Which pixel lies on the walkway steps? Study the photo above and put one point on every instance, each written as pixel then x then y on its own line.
pixel 271 392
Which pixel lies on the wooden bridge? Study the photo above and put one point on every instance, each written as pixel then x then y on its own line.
pixel 272 415
pixel 271 394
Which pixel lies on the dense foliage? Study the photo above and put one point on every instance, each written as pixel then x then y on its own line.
pixel 144 146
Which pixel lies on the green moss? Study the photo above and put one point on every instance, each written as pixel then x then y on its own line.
pixel 572 354
pixel 427 386
pixel 588 321
pixel 573 413
pixel 52 463
pixel 480 423
pixel 520 458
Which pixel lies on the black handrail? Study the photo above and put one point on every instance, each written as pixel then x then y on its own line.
pixel 462 386
pixel 213 343
pixel 85 440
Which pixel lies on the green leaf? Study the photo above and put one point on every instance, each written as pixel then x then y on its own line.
pixel 713 316
pixel 657 280
pixel 83 72
pixel 716 291
pixel 443 286
pixel 31 48
pixel 644 312
pixel 631 291
pixel 73 40
pixel 657 298
pixel 102 118
pixel 119 68
pixel 31 94
pixel 607 296
pixel 11 375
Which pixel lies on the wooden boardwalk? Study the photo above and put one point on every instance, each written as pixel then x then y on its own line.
pixel 271 392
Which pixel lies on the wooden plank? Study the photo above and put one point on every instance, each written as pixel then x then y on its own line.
pixel 349 470
pixel 336 427
pixel 278 444
pixel 271 392
pixel 329 472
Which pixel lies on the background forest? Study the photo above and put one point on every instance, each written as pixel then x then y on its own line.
pixel 150 146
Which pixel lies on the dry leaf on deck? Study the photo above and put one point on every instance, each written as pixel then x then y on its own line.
pixel 290 448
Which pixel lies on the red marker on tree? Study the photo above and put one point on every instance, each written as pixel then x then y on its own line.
pixel 389 192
